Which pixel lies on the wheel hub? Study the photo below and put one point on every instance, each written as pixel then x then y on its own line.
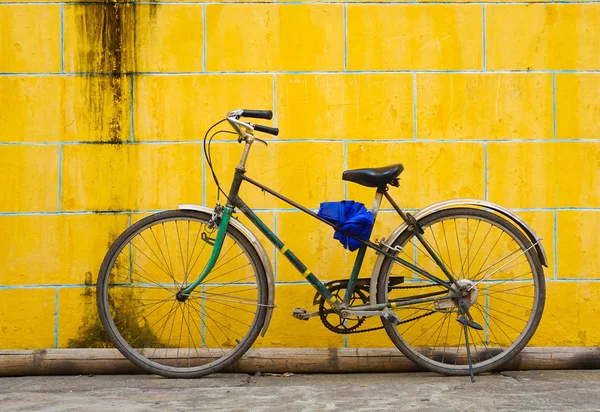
pixel 468 294
pixel 467 289
pixel 181 297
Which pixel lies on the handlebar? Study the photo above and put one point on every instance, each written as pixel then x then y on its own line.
pixel 257 114
pixel 240 126
pixel 266 129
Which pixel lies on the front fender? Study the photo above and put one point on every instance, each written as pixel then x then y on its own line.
pixel 448 204
pixel 264 257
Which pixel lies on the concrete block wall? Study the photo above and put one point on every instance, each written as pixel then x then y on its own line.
pixel 103 107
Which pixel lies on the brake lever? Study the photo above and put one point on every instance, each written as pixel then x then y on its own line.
pixel 262 141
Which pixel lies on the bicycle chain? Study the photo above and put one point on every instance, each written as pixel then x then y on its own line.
pixel 335 330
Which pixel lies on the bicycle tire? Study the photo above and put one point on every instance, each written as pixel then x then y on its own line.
pixel 141 288
pixel 427 355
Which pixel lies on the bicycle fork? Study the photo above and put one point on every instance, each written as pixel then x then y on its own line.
pixel 183 294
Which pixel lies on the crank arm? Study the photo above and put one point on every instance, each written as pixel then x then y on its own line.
pixel 303 314
pixel 367 313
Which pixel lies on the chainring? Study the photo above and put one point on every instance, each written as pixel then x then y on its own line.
pixel 332 320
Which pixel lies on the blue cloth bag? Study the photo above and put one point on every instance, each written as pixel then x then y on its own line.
pixel 350 216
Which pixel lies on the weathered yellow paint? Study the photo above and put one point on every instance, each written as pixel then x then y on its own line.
pixel 345 106
pixel 78 321
pixel 30 38
pixel 415 37
pixel 59 249
pixel 27 318
pixel 57 109
pixel 252 37
pixel 143 37
pixel 577 106
pixel 307 173
pixel 189 105
pixel 544 174
pixel 432 171
pixel 131 177
pixel 494 106
pixel 340 78
pixel 288 332
pixel 542 36
pixel 169 38
pixel 578 244
pixel 33 182
pixel 570 316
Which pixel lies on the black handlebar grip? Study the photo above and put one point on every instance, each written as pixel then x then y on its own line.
pixel 266 129
pixel 258 114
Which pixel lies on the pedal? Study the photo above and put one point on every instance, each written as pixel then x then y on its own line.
pixel 391 316
pixel 301 314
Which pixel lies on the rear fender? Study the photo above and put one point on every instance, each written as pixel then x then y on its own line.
pixel 450 204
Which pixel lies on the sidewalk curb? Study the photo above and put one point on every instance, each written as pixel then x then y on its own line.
pixel 298 360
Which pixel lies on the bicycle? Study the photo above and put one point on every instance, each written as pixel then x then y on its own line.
pixel 466 293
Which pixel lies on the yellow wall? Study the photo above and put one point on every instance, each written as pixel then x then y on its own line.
pixel 485 100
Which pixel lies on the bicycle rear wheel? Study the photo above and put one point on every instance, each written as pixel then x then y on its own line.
pixel 143 271
pixel 492 260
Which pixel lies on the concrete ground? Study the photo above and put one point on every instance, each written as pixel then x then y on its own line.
pixel 529 390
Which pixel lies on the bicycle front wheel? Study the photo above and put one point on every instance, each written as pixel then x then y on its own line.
pixel 492 261
pixel 137 286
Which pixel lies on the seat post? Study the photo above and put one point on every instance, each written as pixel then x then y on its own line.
pixel 376 204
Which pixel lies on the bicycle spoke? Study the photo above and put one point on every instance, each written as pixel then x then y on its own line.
pixel 507 314
pixel 488 255
pixel 239 299
pixel 161 252
pixel 218 324
pixel 146 329
pixel 502 267
pixel 458 346
pixel 498 320
pixel 230 317
pixel 230 260
pixel 220 302
pixel 164 268
pixel 180 250
pixel 512 303
pixel 481 245
pixel 459 251
pixel 193 265
pixel 499 253
pixel 229 284
pixel 438 251
pixel 211 334
pixel 483 314
pixel 228 272
pixel 180 333
pixel 168 274
pixel 447 247
pixel 187 253
pixel 162 329
pixel 121 320
pixel 426 330
pixel 225 326
pixel 189 327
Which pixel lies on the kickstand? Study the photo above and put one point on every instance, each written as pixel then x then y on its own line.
pixel 468 352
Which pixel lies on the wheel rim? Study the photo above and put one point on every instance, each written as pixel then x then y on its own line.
pixel 151 327
pixel 504 291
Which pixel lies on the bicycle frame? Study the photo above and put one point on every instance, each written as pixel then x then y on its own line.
pixel 234 201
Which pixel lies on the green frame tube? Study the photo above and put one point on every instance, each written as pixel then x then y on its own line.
pixel 235 201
